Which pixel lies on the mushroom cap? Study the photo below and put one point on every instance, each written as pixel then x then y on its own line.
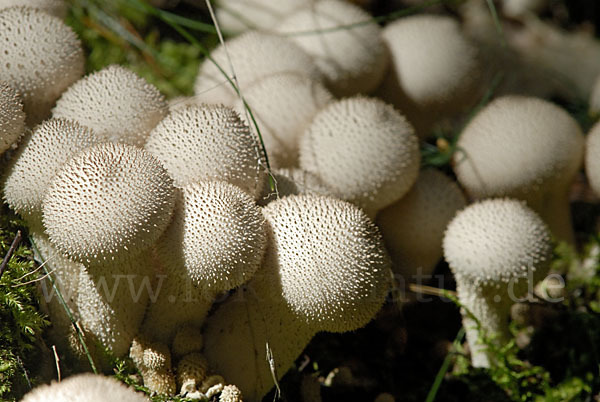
pixel 283 105
pixel 595 97
pixel 326 259
pixel 592 158
pixel 41 56
pixel 12 117
pixel 413 227
pixel 217 236
pixel 253 55
pixel 84 387
pixel 432 61
pixel 192 369
pixel 57 8
pixel 230 393
pixel 110 202
pixel 497 241
pixel 116 103
pixel 521 147
pixel 349 51
pixel 208 142
pixel 237 16
pixel 39 158
pixel 291 181
pixel 364 150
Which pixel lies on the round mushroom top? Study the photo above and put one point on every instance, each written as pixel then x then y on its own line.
pixel 495 242
pixel 39 158
pixel 364 150
pixel 208 142
pixel 12 117
pixel 253 55
pixel 85 387
pixel 433 61
pixel 344 41
pixel 57 8
pixel 230 393
pixel 592 158
pixel 116 103
pixel 595 97
pixel 41 57
pixel 283 105
pixel 217 236
pixel 237 16
pixel 110 202
pixel 325 257
pixel 517 146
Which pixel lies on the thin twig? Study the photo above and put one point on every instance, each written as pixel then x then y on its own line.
pixel 15 243
pixel 41 278
pixel 57 361
pixel 430 290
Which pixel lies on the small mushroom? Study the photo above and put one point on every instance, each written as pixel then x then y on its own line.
pixel 12 117
pixel 497 249
pixel 153 359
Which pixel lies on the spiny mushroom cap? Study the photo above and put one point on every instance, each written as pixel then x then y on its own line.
pixel 12 117
pixel 364 150
pixel 192 368
pixel 521 147
pixel 413 227
pixel 160 381
pixel 592 158
pixel 149 355
pixel 327 260
pixel 41 57
pixel 188 339
pixel 237 16
pixel 39 158
pixel 208 142
pixel 85 387
pixel 57 8
pixel 595 97
pixel 217 235
pixel 283 105
pixel 230 393
pixel 432 60
pixel 292 181
pixel 497 241
pixel 253 55
pixel 110 202
pixel 116 103
pixel 349 52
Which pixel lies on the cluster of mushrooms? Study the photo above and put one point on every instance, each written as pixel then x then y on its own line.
pixel 172 243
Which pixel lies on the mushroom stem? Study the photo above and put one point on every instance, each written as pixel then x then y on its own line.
pixel 556 212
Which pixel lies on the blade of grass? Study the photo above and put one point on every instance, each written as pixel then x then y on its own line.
pixel 439 378
pixel 497 24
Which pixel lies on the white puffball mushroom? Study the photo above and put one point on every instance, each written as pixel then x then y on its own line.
pixel 237 16
pixel 289 181
pixel 116 103
pixel 254 55
pixel 497 249
pixel 230 393
pixel 364 150
pixel 325 269
pixel 433 68
pixel 57 8
pixel 344 42
pixel 592 158
pixel 595 98
pixel 41 57
pixel 153 360
pixel 192 369
pixel 283 105
pixel 208 142
pixel 525 148
pixel 38 159
pixel 110 202
pixel 12 117
pixel 85 387
pixel 413 227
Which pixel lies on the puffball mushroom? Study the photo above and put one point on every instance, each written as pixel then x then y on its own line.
pixel 41 57
pixel 524 148
pixel 208 142
pixel 12 117
pixel 592 158
pixel 292 181
pixel 153 360
pixel 38 159
pixel 116 103
pixel 283 105
pixel 364 150
pixel 413 227
pixel 109 203
pixel 237 16
pixel 85 387
pixel 254 55
pixel 344 42
pixel 215 243
pixel 433 69
pixel 497 249
pixel 325 269
pixel 57 8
